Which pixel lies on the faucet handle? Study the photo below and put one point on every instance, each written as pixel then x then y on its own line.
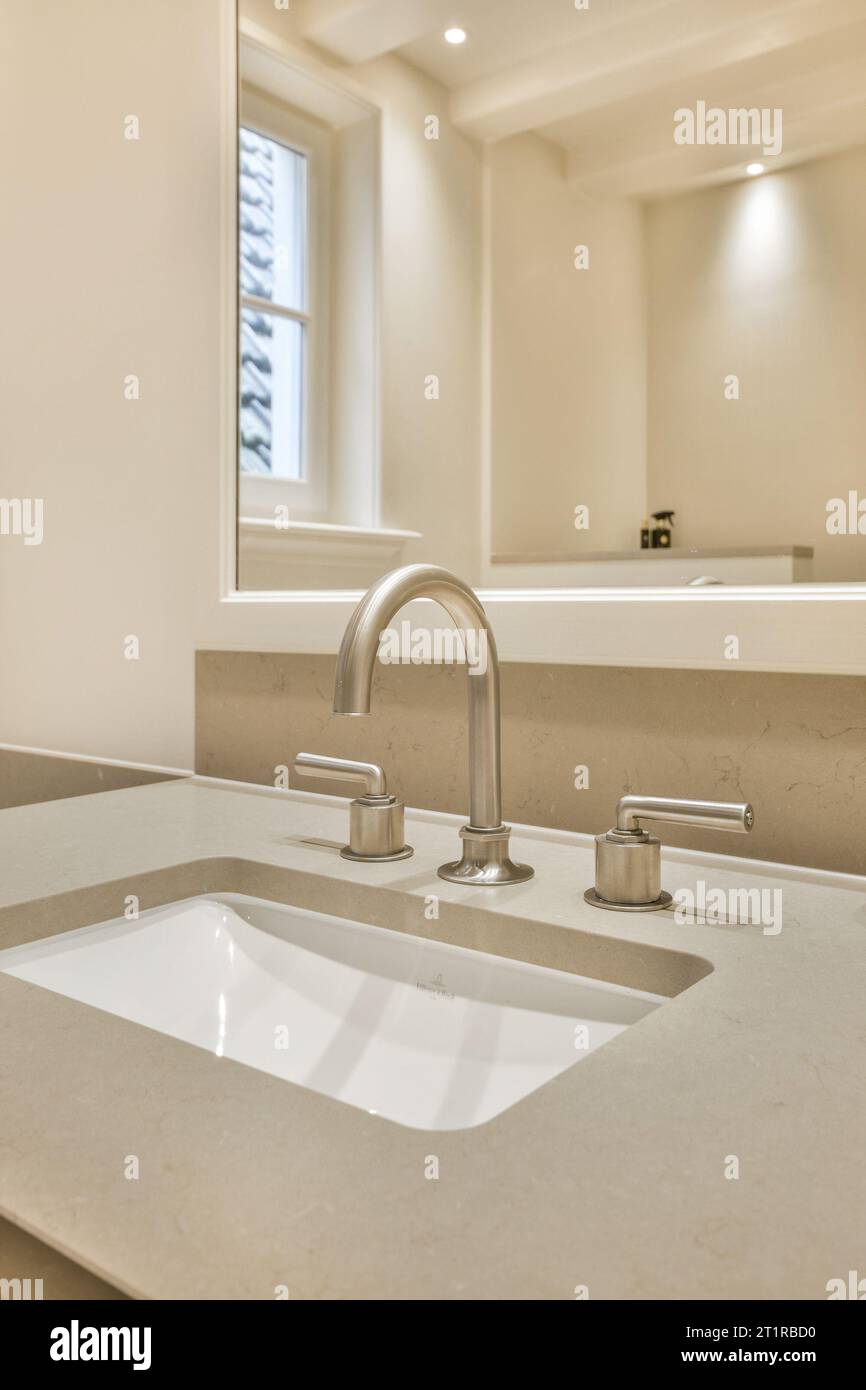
pixel 343 770
pixel 375 819
pixel 713 815
pixel 628 859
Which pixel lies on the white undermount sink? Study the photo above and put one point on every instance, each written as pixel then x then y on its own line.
pixel 430 1035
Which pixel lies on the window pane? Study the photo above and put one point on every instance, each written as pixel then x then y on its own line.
pixel 271 395
pixel 273 221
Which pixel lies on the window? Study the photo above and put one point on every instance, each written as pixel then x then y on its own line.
pixel 308 315
pixel 283 335
pixel 274 297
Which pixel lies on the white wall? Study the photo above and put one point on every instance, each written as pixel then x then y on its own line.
pixel 111 251
pixel 568 366
pixel 765 279
pixel 115 254
pixel 431 323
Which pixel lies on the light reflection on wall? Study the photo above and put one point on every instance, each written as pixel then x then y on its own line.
pixel 759 243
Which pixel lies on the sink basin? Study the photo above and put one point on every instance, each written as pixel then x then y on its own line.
pixel 430 1035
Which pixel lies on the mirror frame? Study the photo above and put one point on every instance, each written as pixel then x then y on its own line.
pixel 807 628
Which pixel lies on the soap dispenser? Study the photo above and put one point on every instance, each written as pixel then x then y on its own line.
pixel 661 534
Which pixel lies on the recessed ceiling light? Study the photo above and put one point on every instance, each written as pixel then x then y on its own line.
pixel 754 169
pixel 455 35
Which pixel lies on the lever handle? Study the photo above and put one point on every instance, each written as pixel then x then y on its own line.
pixel 375 819
pixel 712 815
pixel 628 860
pixel 342 770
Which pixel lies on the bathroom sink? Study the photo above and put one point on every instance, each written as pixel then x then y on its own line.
pixel 430 1035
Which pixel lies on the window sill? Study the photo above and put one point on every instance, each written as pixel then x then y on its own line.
pixel 316 555
pixel 321 540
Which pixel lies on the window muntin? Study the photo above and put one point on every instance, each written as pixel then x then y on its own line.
pixel 274 300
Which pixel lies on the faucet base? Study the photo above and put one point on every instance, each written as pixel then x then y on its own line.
pixel 485 860
pixel 348 853
pixel 663 900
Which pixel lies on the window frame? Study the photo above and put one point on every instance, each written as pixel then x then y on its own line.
pixel 306 498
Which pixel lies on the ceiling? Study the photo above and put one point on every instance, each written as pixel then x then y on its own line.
pixel 603 82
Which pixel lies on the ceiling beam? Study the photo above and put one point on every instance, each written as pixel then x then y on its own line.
pixel 359 30
pixel 635 57
pixel 648 167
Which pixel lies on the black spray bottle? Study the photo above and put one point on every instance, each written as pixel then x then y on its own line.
pixel 661 534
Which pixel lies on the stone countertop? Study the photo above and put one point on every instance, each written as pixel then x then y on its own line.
pixel 673 552
pixel 611 1177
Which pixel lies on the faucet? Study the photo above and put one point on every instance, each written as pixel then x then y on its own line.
pixel 485 858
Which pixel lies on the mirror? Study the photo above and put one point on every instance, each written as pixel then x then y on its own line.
pixel 572 296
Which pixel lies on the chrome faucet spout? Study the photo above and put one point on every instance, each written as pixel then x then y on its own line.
pixel 485 838
pixel 357 659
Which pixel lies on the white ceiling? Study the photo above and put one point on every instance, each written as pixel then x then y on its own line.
pixel 603 83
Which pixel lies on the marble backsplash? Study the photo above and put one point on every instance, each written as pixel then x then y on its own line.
pixel 794 745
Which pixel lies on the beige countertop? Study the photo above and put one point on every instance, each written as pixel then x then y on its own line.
pixel 675 552
pixel 612 1176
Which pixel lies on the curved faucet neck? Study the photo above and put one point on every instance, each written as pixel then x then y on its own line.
pixel 357 659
